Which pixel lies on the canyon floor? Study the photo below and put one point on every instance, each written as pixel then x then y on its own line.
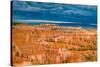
pixel 52 44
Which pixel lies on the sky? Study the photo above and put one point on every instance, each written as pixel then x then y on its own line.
pixel 29 11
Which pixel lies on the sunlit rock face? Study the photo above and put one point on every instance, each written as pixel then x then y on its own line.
pixel 32 45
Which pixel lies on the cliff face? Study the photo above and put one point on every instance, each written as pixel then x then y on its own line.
pixel 51 44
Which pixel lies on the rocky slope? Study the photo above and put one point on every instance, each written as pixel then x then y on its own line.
pixel 52 44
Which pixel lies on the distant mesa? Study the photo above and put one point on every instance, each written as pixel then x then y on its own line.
pixel 42 24
pixel 48 25
pixel 16 23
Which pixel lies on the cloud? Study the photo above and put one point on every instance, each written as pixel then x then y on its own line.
pixel 54 11
pixel 93 24
pixel 42 21
pixel 63 9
